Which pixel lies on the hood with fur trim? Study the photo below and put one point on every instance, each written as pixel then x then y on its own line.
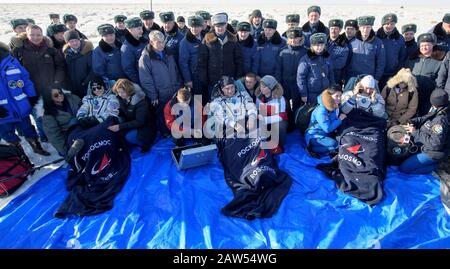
pixel 211 37
pixel 276 93
pixel 382 34
pixel 326 100
pixel 371 37
pixel 311 54
pixel 18 41
pixel 405 76
pixel 106 48
pixel 86 47
pixel 321 28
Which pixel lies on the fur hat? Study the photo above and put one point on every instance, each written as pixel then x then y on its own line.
pixel 195 21
pixel 147 15
pixel 294 32
pixel 351 23
pixel 314 9
pixel 17 22
pixel 180 19
pixel 366 20
pixel 256 13
pixel 69 17
pixel 318 38
pixel 166 16
pixel 427 37
pixel 133 22
pixel 105 29
pixel 56 28
pixel 293 18
pixel 409 28
pixel 391 17
pixel 119 18
pixel 270 23
pixel 336 23
pixel 219 19
pixel 244 26
pixel 53 16
pixel 446 18
pixel 71 34
pixel 204 14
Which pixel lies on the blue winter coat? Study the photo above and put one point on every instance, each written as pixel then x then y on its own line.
pixel 266 56
pixel 368 57
pixel 172 40
pixel 249 49
pixel 314 74
pixel 395 51
pixel 411 48
pixel 286 71
pixel 322 122
pixel 308 31
pixel 131 52
pixel 188 56
pixel 15 88
pixel 443 39
pixel 107 62
pixel 160 78
pixel 79 67
pixel 339 50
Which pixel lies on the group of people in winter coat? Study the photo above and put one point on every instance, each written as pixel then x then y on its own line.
pixel 249 77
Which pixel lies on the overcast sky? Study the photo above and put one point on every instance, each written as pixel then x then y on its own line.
pixel 248 2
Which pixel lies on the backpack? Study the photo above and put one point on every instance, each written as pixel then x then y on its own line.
pixel 303 116
pixel 14 169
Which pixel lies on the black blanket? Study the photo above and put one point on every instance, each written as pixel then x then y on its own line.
pixel 99 172
pixel 252 173
pixel 360 167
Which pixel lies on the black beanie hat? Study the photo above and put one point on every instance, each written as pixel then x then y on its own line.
pixel 439 98
pixel 71 34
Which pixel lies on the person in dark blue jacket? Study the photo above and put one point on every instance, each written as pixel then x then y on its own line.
pixel 292 20
pixel 171 33
pixel 442 32
pixel 430 133
pixel 15 89
pixel 106 58
pixel 313 25
pixel 188 55
pixel 315 71
pixel 132 48
pixel 120 28
pixel 247 45
pixel 408 32
pixel 78 55
pixel 148 23
pixel 325 119
pixel 286 71
pixel 350 28
pixel 71 23
pixel 368 55
pixel 394 47
pixel 181 22
pixel 269 44
pixel 339 49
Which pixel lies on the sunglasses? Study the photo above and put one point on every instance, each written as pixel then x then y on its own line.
pixel 97 87
pixel 56 95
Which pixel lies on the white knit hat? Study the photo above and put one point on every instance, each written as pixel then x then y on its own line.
pixel 368 82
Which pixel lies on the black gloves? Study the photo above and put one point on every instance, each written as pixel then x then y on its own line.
pixel 88 122
pixel 3 112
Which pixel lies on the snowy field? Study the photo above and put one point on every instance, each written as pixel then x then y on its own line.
pixel 90 16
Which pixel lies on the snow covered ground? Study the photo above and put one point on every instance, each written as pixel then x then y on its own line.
pixel 90 16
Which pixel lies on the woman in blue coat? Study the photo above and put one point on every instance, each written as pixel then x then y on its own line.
pixel 315 71
pixel 325 119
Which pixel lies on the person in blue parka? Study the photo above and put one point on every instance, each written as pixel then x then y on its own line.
pixel 315 71
pixel 247 45
pixel 325 119
pixel 339 48
pixel 270 44
pixel 313 25
pixel 106 58
pixel 132 48
pixel 188 54
pixel 368 55
pixel 15 89
pixel 394 47
pixel 172 34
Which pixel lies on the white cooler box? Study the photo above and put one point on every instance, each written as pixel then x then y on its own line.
pixel 193 155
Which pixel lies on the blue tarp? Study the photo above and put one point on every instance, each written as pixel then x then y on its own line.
pixel 160 207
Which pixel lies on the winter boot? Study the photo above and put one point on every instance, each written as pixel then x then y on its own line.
pixel 17 145
pixel 36 146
